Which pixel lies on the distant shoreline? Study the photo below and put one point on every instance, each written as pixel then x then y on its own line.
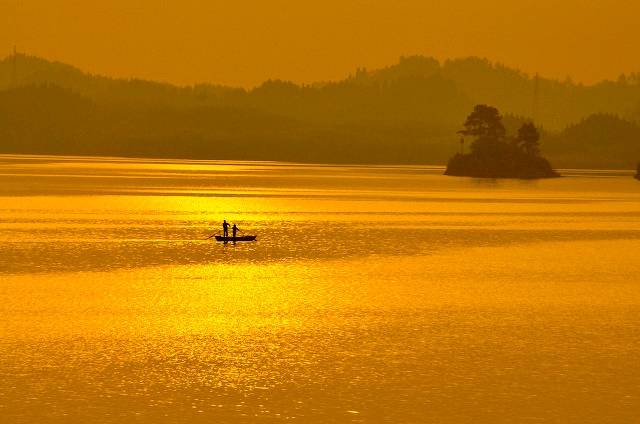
pixel 407 113
pixel 566 172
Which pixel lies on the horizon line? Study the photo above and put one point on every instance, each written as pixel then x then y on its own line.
pixel 493 64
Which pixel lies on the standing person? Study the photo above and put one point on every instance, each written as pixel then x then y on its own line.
pixel 225 228
pixel 235 231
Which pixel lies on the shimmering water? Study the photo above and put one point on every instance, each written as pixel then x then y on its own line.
pixel 373 294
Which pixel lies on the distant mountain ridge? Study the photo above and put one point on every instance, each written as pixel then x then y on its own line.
pixel 410 88
pixel 405 113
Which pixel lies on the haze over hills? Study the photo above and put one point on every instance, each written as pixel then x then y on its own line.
pixel 405 113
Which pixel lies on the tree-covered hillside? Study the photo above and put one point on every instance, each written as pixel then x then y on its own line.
pixel 599 140
pixel 405 113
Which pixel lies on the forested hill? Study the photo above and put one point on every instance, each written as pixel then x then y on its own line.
pixel 406 113
pixel 598 141
pixel 417 88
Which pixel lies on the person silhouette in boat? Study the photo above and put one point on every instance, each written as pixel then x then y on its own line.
pixel 234 231
pixel 225 229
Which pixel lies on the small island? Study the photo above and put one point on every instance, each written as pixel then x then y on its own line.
pixel 496 155
pixel 638 172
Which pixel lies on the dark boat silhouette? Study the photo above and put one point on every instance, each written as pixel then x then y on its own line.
pixel 237 238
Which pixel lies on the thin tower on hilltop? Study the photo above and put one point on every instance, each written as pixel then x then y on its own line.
pixel 536 98
pixel 14 69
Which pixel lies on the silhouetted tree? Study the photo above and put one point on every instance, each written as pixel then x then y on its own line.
pixel 485 124
pixel 494 155
pixel 484 121
pixel 528 139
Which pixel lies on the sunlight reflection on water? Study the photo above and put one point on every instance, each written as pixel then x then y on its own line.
pixel 373 294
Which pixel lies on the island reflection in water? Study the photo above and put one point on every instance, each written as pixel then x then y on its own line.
pixel 373 294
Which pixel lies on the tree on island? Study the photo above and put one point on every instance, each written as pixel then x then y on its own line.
pixel 484 121
pixel 529 139
pixel 496 155
pixel 638 172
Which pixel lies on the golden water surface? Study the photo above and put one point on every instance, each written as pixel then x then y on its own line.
pixel 373 294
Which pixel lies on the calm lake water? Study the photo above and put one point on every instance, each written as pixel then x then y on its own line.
pixel 373 294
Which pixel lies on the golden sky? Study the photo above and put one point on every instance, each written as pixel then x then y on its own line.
pixel 243 42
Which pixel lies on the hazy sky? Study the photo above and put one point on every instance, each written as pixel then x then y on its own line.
pixel 243 42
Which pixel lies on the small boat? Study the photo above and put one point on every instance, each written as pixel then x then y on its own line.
pixel 237 238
